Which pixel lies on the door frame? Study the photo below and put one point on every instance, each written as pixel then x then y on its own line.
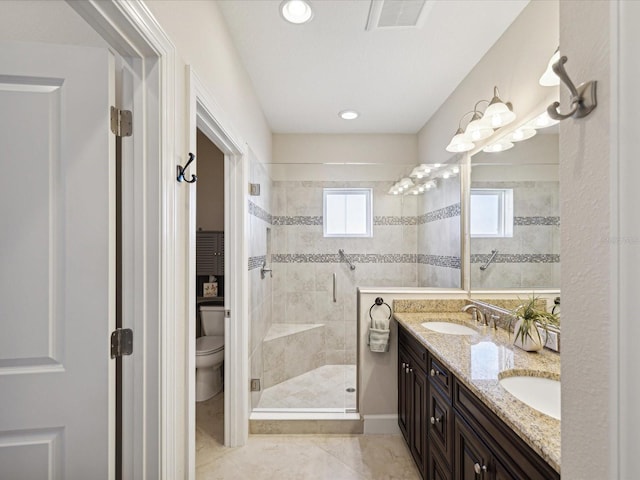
pixel 130 30
pixel 206 114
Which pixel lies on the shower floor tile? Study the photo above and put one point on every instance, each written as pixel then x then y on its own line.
pixel 323 387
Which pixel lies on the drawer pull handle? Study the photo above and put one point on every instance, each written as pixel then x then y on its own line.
pixel 435 420
pixel 434 372
pixel 404 365
pixel 406 370
pixel 479 469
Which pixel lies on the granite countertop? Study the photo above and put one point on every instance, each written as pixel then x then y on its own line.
pixel 480 361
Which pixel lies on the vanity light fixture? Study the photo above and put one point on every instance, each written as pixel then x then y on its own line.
pixel 498 114
pixel 455 170
pixel 348 114
pixel 482 125
pixel 478 129
pixel 549 78
pixel 446 175
pixel 499 146
pixel 296 11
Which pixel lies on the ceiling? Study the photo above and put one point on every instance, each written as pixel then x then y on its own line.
pixel 396 78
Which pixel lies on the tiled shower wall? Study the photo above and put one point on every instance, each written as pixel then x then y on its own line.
pixel 531 258
pixel 304 261
pixel 260 290
pixel 439 236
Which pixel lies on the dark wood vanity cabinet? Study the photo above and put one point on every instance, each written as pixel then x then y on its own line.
pixel 412 399
pixel 451 434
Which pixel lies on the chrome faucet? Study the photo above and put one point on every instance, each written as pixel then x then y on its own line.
pixel 477 314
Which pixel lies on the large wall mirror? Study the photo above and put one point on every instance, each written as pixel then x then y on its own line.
pixel 514 216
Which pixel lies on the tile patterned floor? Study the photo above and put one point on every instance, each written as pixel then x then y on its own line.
pixel 323 387
pixel 297 457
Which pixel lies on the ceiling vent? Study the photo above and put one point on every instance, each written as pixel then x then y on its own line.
pixel 398 13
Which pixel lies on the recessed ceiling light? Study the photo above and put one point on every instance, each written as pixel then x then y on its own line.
pixel 296 11
pixel 349 114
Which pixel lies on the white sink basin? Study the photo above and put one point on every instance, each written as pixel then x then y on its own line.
pixel 543 394
pixel 450 328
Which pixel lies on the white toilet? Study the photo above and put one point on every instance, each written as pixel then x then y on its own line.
pixel 210 353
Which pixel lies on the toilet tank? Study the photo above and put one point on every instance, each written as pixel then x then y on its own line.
pixel 212 319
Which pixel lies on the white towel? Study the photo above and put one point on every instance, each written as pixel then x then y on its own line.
pixel 379 334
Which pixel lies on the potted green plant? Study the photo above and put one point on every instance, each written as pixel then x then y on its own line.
pixel 529 316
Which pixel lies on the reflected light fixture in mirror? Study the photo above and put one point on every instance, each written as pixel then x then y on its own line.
pixel 499 146
pixel 296 11
pixel 520 134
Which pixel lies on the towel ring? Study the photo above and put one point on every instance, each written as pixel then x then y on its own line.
pixel 379 301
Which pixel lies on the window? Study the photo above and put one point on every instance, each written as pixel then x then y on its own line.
pixel 347 212
pixel 491 212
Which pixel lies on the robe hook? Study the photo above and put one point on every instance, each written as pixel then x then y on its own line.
pixel 181 170
pixel 583 98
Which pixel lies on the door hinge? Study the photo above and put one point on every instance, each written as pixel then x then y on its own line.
pixel 121 122
pixel 121 342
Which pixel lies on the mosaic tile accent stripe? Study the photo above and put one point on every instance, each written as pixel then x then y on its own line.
pixel 314 220
pixel 334 258
pixel 390 220
pixel 256 262
pixel 516 258
pixel 440 214
pixel 297 220
pixel 262 214
pixel 440 261
pixel 522 221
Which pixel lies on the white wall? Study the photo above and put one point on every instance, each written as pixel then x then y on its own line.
pixel 199 32
pixel 514 64
pixel 585 162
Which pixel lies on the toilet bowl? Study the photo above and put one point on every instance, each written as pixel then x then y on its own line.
pixel 210 353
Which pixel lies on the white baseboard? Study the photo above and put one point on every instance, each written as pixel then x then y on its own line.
pixel 381 424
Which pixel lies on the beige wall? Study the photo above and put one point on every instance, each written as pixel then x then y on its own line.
pixel 210 210
pixel 514 64
pixel 357 148
pixel 585 161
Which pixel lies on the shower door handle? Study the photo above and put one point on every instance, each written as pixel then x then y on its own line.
pixel 334 288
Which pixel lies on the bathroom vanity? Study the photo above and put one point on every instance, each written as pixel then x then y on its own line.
pixel 457 419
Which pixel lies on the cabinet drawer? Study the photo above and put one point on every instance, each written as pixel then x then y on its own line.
pixel 440 419
pixel 439 376
pixel 413 347
pixel 515 457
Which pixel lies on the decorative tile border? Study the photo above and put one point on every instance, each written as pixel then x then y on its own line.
pixel 391 220
pixel 527 221
pixel 440 261
pixel 296 220
pixel 317 220
pixel 256 262
pixel 334 258
pixel 516 258
pixel 262 214
pixel 440 214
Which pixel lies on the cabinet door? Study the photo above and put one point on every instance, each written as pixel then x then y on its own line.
pixel 437 469
pixel 418 428
pixel 472 458
pixel 403 393
pixel 440 417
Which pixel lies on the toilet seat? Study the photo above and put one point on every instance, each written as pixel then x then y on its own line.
pixel 209 344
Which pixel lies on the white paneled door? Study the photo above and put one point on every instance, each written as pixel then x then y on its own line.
pixel 57 262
